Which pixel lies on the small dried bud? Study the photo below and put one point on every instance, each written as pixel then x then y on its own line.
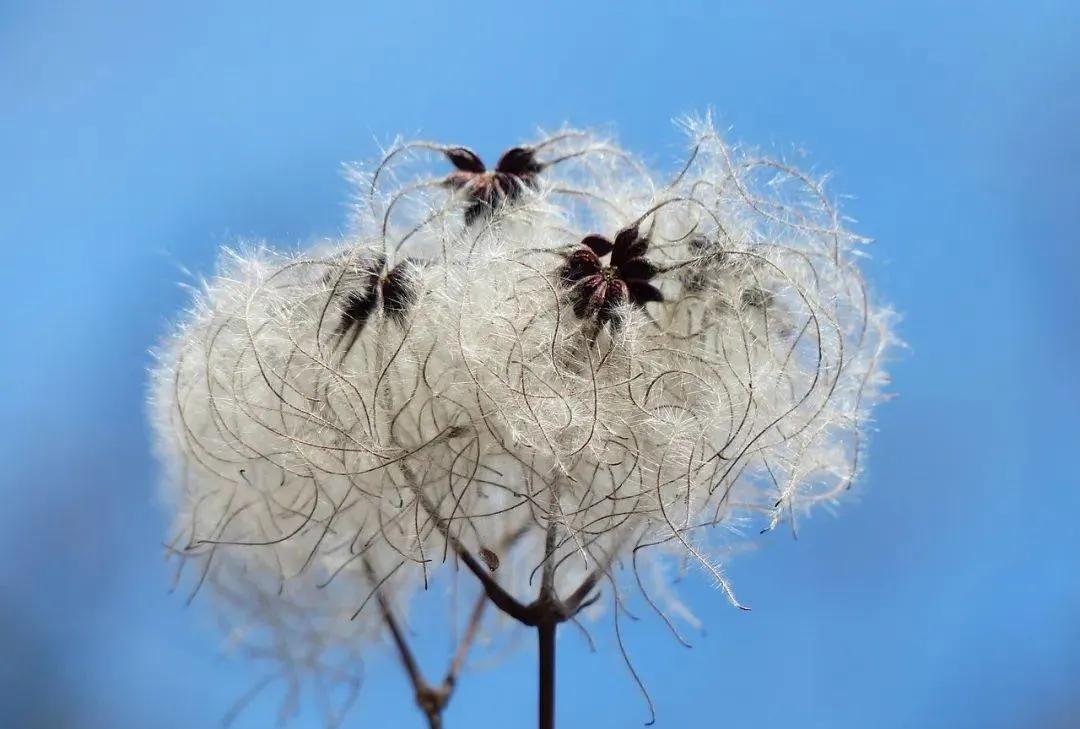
pixel 756 298
pixel 490 558
pixel 715 261
pixel 399 290
pixel 396 288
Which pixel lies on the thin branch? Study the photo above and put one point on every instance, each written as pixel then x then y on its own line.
pixel 404 652
pixel 495 592
pixel 547 580
pixel 467 640
pixel 472 628
pixel 579 599
pixel 431 700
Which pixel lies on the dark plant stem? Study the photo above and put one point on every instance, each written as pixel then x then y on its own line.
pixel 431 699
pixel 546 633
pixel 545 612
pixel 549 612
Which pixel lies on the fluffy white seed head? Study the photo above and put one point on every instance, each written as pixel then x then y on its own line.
pixel 330 419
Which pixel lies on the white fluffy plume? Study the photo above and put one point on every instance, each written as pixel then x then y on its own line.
pixel 468 372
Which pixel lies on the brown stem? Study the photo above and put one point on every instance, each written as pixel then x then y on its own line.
pixel 495 592
pixel 545 613
pixel 550 613
pixel 404 652
pixel 547 580
pixel 579 599
pixel 431 700
pixel 466 641
pixel 546 693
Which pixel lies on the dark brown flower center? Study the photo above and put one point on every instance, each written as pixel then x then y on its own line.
pixel 609 273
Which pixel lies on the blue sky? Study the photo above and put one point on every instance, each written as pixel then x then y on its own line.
pixel 135 138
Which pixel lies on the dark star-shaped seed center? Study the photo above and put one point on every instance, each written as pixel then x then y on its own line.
pixel 596 291
pixel 484 189
pixel 395 288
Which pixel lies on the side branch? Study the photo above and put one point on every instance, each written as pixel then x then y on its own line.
pixel 495 592
pixel 431 700
pixel 466 642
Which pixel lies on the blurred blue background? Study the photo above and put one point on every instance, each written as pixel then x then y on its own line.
pixel 137 137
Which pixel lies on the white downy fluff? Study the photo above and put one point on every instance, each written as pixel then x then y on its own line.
pixel 310 463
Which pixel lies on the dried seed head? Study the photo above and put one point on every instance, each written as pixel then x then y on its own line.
pixel 485 191
pixel 493 410
pixel 520 162
pixel 598 291
pixel 400 288
pixel 756 298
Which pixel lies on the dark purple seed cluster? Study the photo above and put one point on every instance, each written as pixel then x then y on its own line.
pixel 596 289
pixel 486 190
pixel 395 289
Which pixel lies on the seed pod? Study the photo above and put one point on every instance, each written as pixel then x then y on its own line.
pixel 490 558
pixel 399 289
